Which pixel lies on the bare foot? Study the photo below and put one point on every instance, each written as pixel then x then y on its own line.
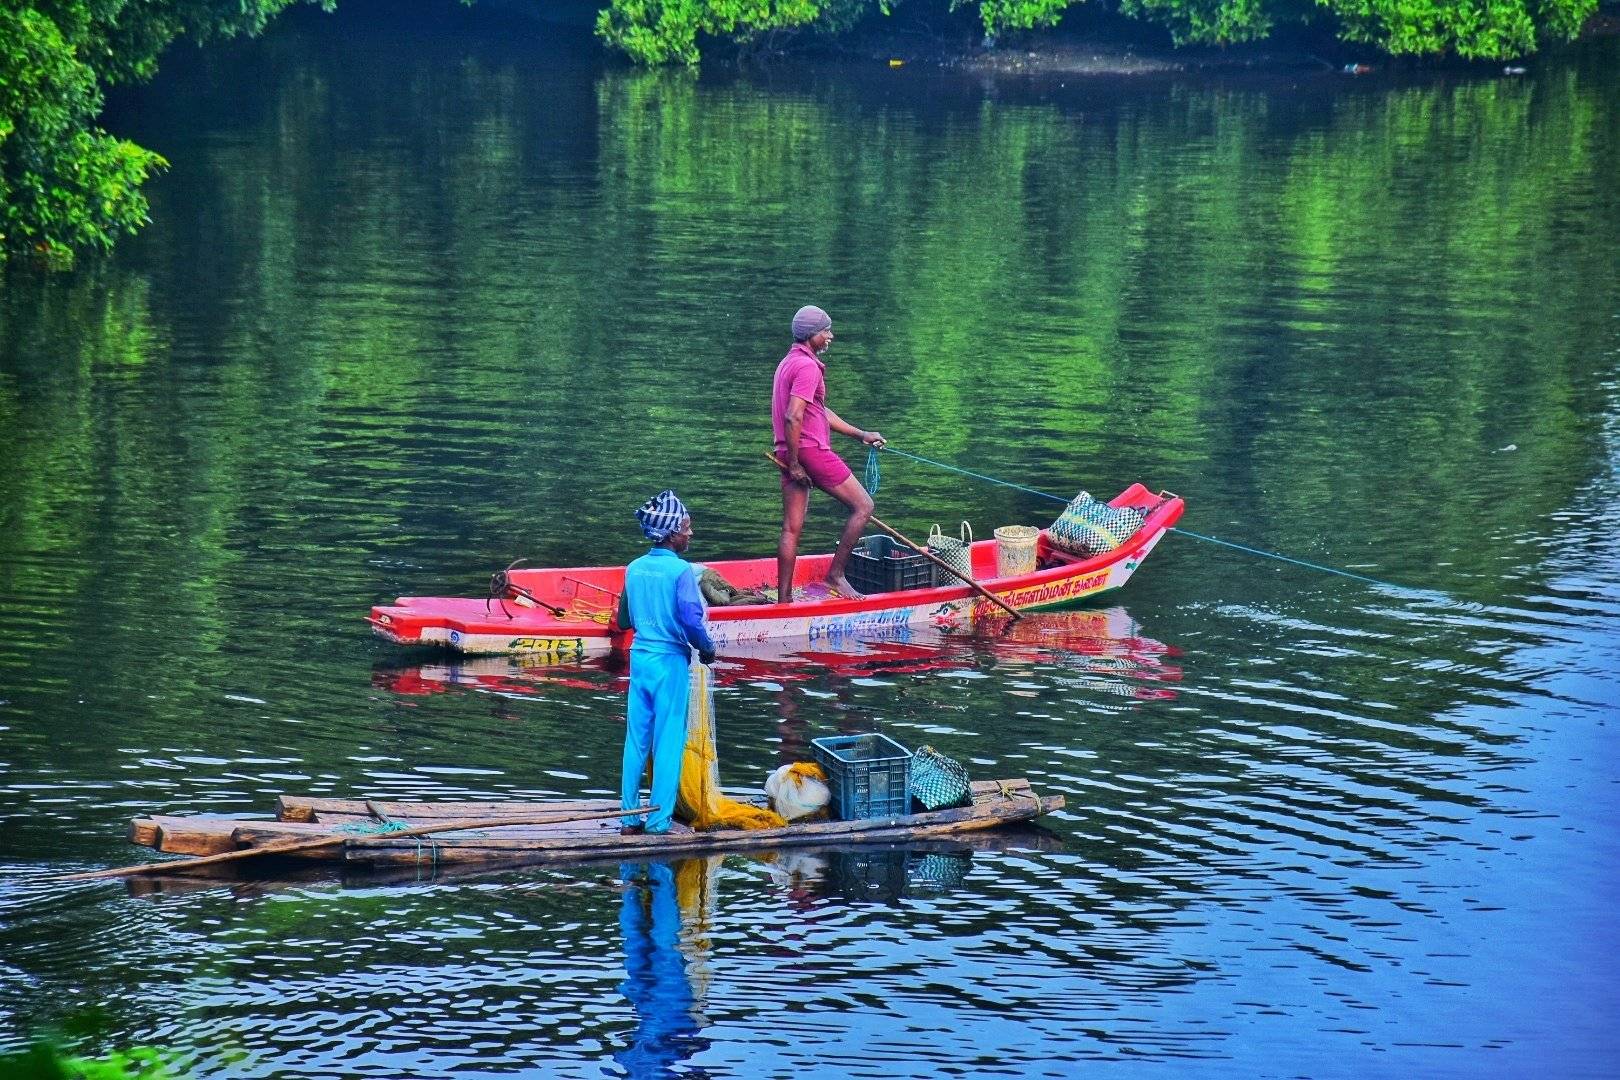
pixel 844 588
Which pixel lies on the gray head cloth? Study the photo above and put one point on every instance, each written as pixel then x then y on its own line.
pixel 809 321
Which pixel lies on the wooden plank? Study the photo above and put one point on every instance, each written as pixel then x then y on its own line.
pixel 308 808
pixel 325 838
pixel 194 835
pixel 259 833
pixel 984 815
pixel 312 808
pixel 994 787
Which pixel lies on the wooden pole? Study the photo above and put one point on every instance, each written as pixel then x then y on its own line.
pixel 925 553
pixel 290 846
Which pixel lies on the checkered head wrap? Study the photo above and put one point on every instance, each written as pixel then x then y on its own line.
pixel 661 515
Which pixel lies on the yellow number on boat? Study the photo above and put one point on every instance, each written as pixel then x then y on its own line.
pixel 555 646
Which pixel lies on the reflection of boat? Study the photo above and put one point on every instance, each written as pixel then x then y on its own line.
pixel 1105 644
pixel 506 675
pixel 567 613
pixel 574 830
pixel 803 872
pixel 887 872
pixel 521 675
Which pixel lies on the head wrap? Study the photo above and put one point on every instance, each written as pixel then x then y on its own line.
pixel 661 515
pixel 809 321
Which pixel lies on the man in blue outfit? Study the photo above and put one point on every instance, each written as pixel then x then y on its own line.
pixel 660 603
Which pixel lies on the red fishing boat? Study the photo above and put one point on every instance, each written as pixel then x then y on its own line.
pixel 568 613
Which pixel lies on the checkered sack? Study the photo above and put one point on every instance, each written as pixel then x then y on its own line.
pixel 1089 527
pixel 938 782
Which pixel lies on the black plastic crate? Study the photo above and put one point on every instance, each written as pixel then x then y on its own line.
pixel 869 775
pixel 879 564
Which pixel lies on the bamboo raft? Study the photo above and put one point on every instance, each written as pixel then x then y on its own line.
pixel 380 833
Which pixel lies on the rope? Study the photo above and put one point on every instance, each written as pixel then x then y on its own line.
pixel 976 476
pixel 1174 529
pixel 373 828
pixel 874 475
pixel 433 851
pixel 1296 562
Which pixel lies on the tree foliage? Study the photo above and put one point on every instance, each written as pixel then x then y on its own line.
pixel 665 31
pixel 65 184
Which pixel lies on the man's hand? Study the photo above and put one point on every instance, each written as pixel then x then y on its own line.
pixel 797 474
pixel 706 657
pixel 873 438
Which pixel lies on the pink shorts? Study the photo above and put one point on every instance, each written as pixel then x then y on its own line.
pixel 827 470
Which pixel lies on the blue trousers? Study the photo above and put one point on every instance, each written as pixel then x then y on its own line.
pixel 660 685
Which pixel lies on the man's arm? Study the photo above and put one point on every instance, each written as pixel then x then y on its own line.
pixel 795 428
pixel 624 612
pixel 689 613
pixel 843 427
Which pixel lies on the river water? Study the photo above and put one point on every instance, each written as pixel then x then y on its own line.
pixel 418 301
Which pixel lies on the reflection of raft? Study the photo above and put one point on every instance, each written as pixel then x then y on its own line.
pixel 363 825
pixel 565 614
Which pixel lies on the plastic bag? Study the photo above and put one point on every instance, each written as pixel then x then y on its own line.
pixel 798 790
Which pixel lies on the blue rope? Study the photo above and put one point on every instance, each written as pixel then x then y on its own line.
pixel 871 469
pixel 366 828
pixel 874 475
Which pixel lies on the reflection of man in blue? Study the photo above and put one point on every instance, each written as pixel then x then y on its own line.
pixel 656 983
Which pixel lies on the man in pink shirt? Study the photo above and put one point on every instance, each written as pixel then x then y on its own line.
pixel 803 424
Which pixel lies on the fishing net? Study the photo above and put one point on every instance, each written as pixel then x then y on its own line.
pixel 699 802
pixel 1090 527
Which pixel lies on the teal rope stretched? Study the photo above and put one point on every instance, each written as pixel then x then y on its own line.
pixel 976 476
pixel 871 471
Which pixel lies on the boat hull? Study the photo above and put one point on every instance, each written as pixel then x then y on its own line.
pixel 586 597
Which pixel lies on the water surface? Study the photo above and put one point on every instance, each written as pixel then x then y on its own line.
pixel 415 303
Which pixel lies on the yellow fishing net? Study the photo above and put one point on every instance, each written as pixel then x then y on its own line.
pixel 699 802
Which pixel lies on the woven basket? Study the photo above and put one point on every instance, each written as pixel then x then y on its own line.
pixel 1015 549
pixel 953 551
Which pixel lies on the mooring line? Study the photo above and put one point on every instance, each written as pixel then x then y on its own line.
pixel 872 476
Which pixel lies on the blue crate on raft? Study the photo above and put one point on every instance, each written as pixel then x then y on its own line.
pixel 869 775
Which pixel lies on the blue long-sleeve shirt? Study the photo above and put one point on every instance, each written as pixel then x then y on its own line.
pixel 661 604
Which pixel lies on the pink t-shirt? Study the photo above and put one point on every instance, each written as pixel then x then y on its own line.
pixel 801 375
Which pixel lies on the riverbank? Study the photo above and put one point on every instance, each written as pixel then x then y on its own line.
pixel 1106 45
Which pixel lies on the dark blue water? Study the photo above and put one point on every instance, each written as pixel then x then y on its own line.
pixel 415 304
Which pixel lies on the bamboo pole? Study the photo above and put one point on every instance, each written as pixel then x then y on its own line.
pixel 170 866
pixel 925 553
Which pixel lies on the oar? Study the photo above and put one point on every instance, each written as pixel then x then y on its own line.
pixel 285 847
pixel 925 553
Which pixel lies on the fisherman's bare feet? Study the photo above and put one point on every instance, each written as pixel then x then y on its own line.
pixel 844 588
